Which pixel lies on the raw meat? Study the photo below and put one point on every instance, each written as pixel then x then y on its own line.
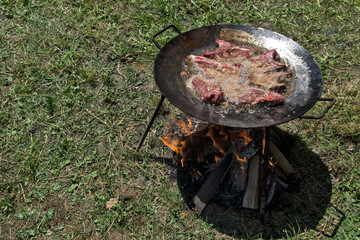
pixel 207 91
pixel 255 96
pixel 205 63
pixel 227 49
pixel 267 61
pixel 234 74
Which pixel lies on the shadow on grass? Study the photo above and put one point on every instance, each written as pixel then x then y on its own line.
pixel 304 210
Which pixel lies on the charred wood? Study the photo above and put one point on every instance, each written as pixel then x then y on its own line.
pixel 211 183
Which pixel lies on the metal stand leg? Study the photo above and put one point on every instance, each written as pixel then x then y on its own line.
pixel 263 173
pixel 151 122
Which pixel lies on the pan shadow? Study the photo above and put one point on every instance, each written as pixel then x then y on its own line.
pixel 300 211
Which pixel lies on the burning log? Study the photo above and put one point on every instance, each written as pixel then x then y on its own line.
pixel 204 151
pixel 239 175
pixel 280 159
pixel 251 198
pixel 225 165
pixel 199 145
pixel 211 183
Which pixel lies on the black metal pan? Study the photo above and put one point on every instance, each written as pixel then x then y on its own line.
pixel 307 75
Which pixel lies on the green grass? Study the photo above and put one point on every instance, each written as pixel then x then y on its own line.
pixel 77 91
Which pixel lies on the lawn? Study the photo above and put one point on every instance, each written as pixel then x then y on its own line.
pixel 77 90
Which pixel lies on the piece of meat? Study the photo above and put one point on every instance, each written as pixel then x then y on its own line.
pixel 267 61
pixel 242 77
pixel 208 92
pixel 268 80
pixel 273 54
pixel 204 63
pixel 254 96
pixel 226 50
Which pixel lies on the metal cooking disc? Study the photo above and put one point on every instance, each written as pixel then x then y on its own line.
pixel 307 75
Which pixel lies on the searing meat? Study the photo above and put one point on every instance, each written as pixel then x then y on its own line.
pixel 243 94
pixel 267 61
pixel 236 75
pixel 208 92
pixel 226 50
pixel 205 63
pixel 268 80
pixel 255 96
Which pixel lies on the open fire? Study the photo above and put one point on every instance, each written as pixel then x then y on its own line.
pixel 204 142
pixel 225 163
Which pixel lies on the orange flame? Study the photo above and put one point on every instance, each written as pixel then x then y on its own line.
pixel 175 145
pixel 272 163
pixel 216 136
pixel 186 128
pixel 172 143
pixel 242 134
pixel 216 142
pixel 246 137
pixel 263 144
pixel 244 160
pixel 217 158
